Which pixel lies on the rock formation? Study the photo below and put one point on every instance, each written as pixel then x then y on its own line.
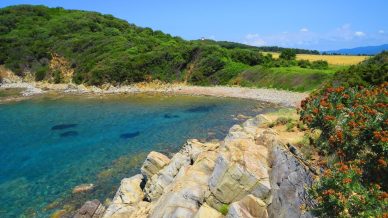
pixel 250 173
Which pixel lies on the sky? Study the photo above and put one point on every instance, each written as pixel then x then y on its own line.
pixel 311 24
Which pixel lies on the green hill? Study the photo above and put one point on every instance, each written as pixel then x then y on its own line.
pixel 100 48
pixel 59 45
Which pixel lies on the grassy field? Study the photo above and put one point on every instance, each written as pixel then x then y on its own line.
pixel 288 78
pixel 331 59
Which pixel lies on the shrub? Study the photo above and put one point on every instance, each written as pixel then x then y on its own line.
pixel 290 126
pixel 288 54
pixel 353 123
pixel 369 72
pixel 40 73
pixel 320 64
pixel 224 209
pixel 304 63
pixel 283 120
pixel 341 192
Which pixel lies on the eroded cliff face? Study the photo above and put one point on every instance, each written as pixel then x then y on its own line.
pixel 250 172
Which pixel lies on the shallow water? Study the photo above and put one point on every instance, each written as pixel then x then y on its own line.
pixel 51 144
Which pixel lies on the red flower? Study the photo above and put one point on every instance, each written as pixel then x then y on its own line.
pixel 329 192
pixel 343 167
pixel 329 118
pixel 382 162
pixel 346 180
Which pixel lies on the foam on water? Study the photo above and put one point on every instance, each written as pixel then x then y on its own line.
pixel 50 145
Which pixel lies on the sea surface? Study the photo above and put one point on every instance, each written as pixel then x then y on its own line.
pixel 50 144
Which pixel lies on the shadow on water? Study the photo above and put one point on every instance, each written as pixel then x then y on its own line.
pixel 200 109
pixel 129 135
pixel 170 116
pixel 63 126
pixel 69 134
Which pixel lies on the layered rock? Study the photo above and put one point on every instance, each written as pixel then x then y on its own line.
pixel 248 207
pixel 128 199
pixel 154 163
pixel 289 179
pixel 248 171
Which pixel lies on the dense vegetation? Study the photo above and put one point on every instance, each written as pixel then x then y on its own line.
pixel 102 49
pixel 353 121
pixel 370 72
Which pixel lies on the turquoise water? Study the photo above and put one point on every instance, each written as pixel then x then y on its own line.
pixel 51 144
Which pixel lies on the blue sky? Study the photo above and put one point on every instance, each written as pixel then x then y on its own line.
pixel 312 24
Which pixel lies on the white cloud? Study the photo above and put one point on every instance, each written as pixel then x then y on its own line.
pixel 341 37
pixel 251 35
pixel 254 39
pixel 359 34
pixel 304 29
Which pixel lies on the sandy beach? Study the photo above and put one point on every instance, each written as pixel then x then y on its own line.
pixel 285 98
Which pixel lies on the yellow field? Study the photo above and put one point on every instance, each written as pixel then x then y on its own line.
pixel 331 59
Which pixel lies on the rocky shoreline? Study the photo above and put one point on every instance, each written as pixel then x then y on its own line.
pixel 285 98
pixel 251 173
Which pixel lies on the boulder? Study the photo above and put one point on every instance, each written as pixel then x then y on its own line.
pixel 205 211
pixel 91 209
pixel 236 133
pixel 127 198
pixel 248 207
pixel 154 163
pixel 289 180
pixel 130 191
pixel 195 147
pixel 189 189
pixel 157 183
pixel 241 169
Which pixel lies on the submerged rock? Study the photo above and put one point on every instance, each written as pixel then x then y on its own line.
pixel 63 126
pixel 69 133
pixel 83 188
pixel 129 135
pixel 91 209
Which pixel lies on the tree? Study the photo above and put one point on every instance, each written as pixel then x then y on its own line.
pixel 288 54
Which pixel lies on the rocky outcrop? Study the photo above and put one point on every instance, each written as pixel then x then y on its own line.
pixel 289 179
pixel 127 199
pixel 251 171
pixel 154 163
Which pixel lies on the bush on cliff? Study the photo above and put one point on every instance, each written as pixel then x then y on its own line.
pixel 354 129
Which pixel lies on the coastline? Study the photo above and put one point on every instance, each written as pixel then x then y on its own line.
pixel 268 178
pixel 282 97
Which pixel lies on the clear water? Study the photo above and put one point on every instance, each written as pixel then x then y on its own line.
pixel 48 145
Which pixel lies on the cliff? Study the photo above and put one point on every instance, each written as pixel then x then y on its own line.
pixel 251 173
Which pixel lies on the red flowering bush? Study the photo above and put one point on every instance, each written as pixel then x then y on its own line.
pixel 353 122
pixel 341 193
pixel 354 129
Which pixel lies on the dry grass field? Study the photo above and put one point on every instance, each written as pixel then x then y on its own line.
pixel 331 59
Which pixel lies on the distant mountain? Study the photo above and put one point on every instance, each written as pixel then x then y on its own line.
pixel 368 50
